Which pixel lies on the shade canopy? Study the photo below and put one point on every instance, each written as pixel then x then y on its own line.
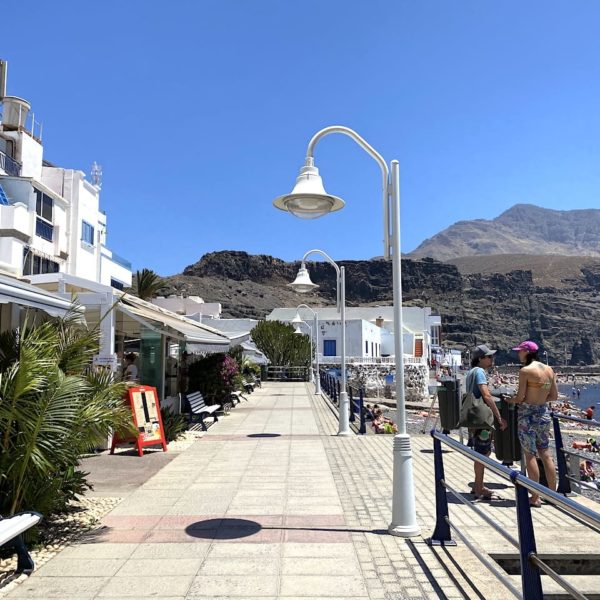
pixel 308 199
pixel 13 291
pixel 302 283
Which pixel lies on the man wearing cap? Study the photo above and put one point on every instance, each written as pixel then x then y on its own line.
pixel 482 359
pixel 537 387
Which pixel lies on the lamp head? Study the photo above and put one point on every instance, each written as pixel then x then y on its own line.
pixel 308 199
pixel 302 283
pixel 297 320
pixel 298 331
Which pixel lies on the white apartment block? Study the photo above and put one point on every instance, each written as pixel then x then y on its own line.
pixel 50 217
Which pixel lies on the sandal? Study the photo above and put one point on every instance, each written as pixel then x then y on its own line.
pixel 486 494
pixel 535 503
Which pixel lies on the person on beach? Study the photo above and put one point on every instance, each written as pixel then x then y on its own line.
pixel 589 413
pixel 537 387
pixel 482 359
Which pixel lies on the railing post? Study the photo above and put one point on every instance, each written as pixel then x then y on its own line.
pixel 338 389
pixel 564 487
pixel 442 536
pixel 352 418
pixel 531 581
pixel 361 411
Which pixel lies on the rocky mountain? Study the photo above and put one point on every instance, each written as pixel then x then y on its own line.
pixel 522 229
pixel 562 312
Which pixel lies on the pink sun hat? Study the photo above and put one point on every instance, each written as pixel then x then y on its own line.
pixel 528 346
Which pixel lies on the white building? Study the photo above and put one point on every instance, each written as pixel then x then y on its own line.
pixel 50 217
pixel 189 305
pixel 369 330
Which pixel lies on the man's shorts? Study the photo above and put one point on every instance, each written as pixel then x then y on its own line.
pixel 482 440
pixel 534 424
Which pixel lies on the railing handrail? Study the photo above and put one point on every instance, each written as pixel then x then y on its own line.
pixel 586 514
pixel 575 419
pixel 531 563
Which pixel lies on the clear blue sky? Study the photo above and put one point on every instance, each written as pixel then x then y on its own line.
pixel 200 113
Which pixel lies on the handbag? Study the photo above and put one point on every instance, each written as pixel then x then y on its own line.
pixel 474 412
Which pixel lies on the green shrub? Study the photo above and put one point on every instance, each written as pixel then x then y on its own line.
pixel 281 345
pixel 214 376
pixel 53 409
pixel 173 425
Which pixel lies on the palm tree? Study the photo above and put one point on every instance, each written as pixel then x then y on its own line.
pixel 146 284
pixel 53 408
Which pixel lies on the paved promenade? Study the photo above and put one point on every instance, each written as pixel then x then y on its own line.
pixel 271 504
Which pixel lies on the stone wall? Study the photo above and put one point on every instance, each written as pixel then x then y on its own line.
pixel 373 379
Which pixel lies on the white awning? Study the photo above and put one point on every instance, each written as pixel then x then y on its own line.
pixel 13 291
pixel 174 325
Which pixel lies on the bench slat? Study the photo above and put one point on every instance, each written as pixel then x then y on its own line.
pixel 11 527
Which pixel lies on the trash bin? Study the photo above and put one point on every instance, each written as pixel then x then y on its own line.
pixel 448 394
pixel 506 443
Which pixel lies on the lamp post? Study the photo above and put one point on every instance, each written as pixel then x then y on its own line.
pixel 310 200
pixel 298 331
pixel 298 319
pixel 303 284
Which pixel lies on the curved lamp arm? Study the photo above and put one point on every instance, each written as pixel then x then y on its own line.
pixel 385 177
pixel 325 256
pixel 306 306
pixel 335 266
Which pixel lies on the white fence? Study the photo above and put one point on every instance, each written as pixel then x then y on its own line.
pixel 371 360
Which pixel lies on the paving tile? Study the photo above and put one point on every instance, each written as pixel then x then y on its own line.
pixel 99 550
pixel 121 587
pixel 169 550
pixel 325 550
pixel 250 586
pixel 318 566
pixel 64 566
pixel 240 566
pixel 323 585
pixel 159 566
pixel 82 588
pixel 267 552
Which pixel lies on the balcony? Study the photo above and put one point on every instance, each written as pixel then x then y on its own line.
pixel 9 165
pixel 44 229
pixel 121 261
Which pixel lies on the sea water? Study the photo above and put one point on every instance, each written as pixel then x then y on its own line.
pixel 590 394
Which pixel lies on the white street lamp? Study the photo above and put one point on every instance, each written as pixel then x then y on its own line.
pixel 304 284
pixel 298 319
pixel 309 200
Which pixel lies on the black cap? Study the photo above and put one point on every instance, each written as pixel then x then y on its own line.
pixel 481 351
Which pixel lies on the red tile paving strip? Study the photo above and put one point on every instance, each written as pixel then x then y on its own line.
pixel 263 529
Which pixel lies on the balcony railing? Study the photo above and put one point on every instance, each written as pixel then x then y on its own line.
pixel 121 261
pixel 9 165
pixel 44 229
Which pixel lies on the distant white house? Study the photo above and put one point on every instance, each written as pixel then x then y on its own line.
pixel 189 305
pixel 50 217
pixel 369 330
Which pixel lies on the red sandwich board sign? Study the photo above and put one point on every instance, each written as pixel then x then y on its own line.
pixel 145 409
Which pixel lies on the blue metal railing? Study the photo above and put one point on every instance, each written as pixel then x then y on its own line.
pixel 10 165
pixel 43 229
pixel 531 564
pixel 564 479
pixel 330 385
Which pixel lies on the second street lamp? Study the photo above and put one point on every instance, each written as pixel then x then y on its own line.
pixel 298 319
pixel 303 284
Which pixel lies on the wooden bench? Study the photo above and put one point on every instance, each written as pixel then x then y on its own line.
pixel 11 530
pixel 199 407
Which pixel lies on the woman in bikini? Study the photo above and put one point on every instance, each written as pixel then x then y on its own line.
pixel 537 387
